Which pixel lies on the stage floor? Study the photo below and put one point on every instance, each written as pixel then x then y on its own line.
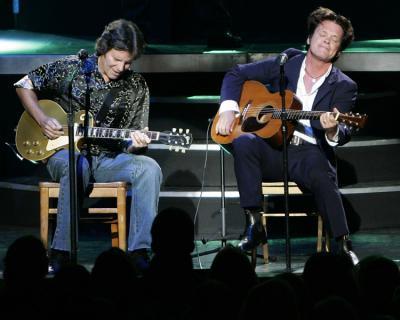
pixel 384 242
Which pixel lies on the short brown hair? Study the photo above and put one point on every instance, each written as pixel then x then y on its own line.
pixel 121 35
pixel 321 14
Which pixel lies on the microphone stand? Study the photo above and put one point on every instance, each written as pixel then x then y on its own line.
pixel 72 176
pixel 282 93
pixel 82 54
pixel 222 210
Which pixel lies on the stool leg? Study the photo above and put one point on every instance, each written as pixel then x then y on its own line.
pixel 44 215
pixel 319 234
pixel 265 245
pixel 327 242
pixel 114 234
pixel 121 216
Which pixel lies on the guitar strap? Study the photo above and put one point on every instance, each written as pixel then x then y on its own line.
pixel 105 107
pixel 85 152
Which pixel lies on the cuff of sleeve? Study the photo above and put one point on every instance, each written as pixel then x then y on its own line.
pixel 25 83
pixel 334 142
pixel 228 105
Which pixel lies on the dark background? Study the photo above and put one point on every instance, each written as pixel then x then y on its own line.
pixel 190 21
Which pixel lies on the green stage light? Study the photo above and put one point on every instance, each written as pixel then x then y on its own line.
pixel 8 46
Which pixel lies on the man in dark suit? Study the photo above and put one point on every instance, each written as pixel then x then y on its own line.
pixel 319 86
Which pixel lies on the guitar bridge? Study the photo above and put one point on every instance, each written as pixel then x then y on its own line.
pixel 246 108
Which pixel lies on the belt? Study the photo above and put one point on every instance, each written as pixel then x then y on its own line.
pixel 297 141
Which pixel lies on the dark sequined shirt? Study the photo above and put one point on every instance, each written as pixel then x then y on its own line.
pixel 126 100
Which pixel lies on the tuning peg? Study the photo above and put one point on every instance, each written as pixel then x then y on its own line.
pixel 187 131
pixel 173 130
pixel 177 149
pixel 170 148
pixel 180 130
pixel 183 150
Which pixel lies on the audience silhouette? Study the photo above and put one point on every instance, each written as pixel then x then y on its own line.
pixel 301 291
pixel 330 287
pixel 327 273
pixel 170 280
pixel 334 308
pixel 71 292
pixel 232 267
pixel 212 297
pixel 378 279
pixel 271 299
pixel 25 270
pixel 114 280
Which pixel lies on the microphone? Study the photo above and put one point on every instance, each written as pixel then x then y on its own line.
pixel 82 54
pixel 282 58
pixel 87 64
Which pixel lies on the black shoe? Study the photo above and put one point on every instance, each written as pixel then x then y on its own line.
pixel 255 232
pixel 140 259
pixel 346 248
pixel 58 259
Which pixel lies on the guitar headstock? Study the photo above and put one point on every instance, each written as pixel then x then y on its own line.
pixel 177 139
pixel 353 119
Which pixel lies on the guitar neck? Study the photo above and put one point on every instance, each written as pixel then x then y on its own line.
pixel 118 134
pixel 296 114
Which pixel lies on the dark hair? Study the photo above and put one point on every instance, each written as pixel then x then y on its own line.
pixel 23 252
pixel 172 225
pixel 322 14
pixel 121 35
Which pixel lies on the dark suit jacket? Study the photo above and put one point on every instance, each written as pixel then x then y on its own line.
pixel 338 90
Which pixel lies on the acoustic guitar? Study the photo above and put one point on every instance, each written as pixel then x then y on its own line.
pixel 260 112
pixel 32 144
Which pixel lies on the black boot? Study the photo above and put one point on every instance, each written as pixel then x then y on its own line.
pixel 346 248
pixel 255 232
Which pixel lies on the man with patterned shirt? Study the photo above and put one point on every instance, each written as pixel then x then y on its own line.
pixel 119 98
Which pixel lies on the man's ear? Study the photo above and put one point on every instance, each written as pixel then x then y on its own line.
pixel 308 40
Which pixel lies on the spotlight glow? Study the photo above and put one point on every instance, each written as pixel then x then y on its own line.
pixel 8 46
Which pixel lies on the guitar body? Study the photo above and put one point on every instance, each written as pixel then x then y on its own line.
pixel 32 144
pixel 255 98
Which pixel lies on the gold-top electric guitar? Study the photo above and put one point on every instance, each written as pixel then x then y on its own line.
pixel 261 113
pixel 32 144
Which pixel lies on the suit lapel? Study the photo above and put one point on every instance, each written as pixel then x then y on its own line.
pixel 293 72
pixel 292 76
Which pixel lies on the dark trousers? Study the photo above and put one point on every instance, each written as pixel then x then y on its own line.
pixel 256 161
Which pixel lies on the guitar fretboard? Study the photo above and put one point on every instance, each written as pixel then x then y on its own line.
pixel 294 114
pixel 112 133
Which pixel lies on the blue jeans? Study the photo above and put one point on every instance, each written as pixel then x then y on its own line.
pixel 142 172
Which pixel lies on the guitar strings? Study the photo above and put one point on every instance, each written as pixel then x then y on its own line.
pixel 353 119
pixel 291 114
pixel 301 114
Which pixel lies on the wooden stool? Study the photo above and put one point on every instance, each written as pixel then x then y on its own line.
pixel 277 188
pixel 116 215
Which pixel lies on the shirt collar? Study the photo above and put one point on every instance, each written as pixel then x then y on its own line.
pixel 320 81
